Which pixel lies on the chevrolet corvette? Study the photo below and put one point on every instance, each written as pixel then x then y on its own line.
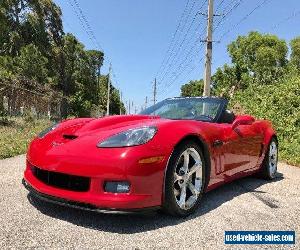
pixel 164 158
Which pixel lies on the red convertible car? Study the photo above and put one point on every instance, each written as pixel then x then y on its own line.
pixel 166 157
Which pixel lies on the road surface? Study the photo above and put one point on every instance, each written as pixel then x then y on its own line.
pixel 248 204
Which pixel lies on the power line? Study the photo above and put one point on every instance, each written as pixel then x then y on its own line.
pixel 82 23
pixel 185 21
pixel 293 15
pixel 244 18
pixel 169 87
pixel 228 12
pixel 183 68
pixel 87 24
pixel 173 37
pixel 185 60
pixel 174 56
pixel 165 92
pixel 230 8
pixel 219 5
pixel 89 31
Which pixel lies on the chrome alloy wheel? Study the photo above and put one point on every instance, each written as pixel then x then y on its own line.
pixel 273 158
pixel 188 178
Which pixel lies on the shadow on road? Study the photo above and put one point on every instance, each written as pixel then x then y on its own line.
pixel 142 222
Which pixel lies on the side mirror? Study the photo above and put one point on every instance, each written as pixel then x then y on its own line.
pixel 242 120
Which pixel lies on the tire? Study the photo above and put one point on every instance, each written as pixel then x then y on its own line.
pixel 178 202
pixel 269 165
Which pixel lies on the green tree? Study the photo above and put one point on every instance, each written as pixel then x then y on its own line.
pixel 262 56
pixel 23 22
pixel 193 88
pixel 32 64
pixel 295 55
pixel 82 76
pixel 228 79
pixel 33 47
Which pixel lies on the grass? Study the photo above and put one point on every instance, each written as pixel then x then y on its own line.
pixel 16 134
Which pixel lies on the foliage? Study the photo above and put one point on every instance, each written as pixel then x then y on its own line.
pixel 262 56
pixel 34 47
pixel 21 133
pixel 32 64
pixel 193 88
pixel 295 55
pixel 228 79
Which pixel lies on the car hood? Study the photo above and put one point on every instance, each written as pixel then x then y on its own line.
pixel 78 138
pixel 98 128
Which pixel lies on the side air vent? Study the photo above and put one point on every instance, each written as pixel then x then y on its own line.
pixel 70 137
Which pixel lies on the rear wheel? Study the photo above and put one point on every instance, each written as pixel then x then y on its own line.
pixel 269 168
pixel 185 178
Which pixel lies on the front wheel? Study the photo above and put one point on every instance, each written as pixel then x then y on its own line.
pixel 269 165
pixel 184 181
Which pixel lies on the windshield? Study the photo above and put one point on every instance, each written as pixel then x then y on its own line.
pixel 202 109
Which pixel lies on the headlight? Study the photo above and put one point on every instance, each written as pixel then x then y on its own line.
pixel 47 130
pixel 131 137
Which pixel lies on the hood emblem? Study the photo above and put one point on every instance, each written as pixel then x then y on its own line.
pixel 55 144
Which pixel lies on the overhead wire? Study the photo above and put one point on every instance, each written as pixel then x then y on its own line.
pixel 187 14
pixel 181 67
pixel 181 45
pixel 235 6
pixel 89 31
pixel 290 17
pixel 244 18
pixel 170 47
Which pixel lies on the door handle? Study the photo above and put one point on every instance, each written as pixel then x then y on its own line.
pixel 218 143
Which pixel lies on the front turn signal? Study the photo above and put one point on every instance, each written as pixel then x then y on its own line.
pixel 155 159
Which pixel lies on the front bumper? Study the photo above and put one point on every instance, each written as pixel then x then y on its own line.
pixel 101 165
pixel 79 205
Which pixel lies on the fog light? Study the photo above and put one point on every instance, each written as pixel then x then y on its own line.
pixel 117 187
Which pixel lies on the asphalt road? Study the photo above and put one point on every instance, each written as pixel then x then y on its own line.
pixel 248 204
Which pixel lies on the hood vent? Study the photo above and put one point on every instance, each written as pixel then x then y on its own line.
pixel 70 137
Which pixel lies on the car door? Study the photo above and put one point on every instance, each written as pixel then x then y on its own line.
pixel 229 154
pixel 252 137
pixel 242 148
pixel 235 152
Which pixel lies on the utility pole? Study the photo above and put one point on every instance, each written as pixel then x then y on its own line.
pixel 209 42
pixel 108 91
pixel 129 107
pixel 146 102
pixel 154 91
pixel 135 110
pixel 120 92
pixel 98 83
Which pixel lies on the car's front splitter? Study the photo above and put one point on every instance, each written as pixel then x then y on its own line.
pixel 82 205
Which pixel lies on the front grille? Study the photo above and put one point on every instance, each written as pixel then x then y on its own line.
pixel 63 181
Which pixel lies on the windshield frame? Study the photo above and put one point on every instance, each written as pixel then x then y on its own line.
pixel 222 102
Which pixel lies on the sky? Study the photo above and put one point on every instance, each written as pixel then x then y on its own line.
pixel 137 37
